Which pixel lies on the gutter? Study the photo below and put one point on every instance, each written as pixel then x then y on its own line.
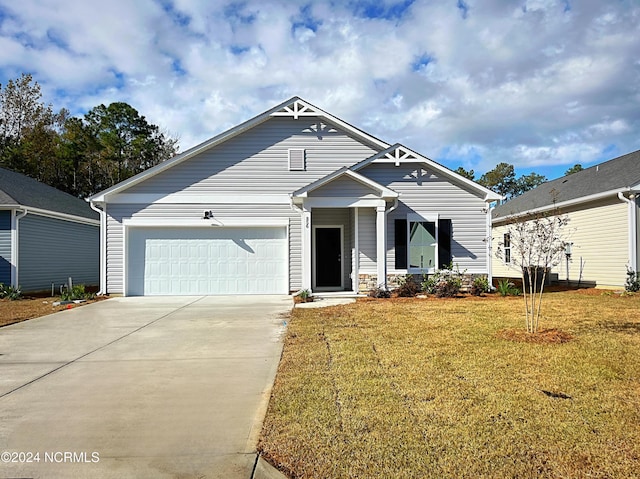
pixel 632 225
pixel 56 215
pixel 15 247
pixel 103 247
pixel 489 245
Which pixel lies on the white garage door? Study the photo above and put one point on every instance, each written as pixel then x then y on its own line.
pixel 184 261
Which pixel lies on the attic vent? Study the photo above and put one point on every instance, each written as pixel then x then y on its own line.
pixel 296 160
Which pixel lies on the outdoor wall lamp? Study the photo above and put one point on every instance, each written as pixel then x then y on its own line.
pixel 208 215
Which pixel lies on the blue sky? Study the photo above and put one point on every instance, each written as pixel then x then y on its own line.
pixel 541 84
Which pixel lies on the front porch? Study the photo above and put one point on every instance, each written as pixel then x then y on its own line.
pixel 344 237
pixel 344 248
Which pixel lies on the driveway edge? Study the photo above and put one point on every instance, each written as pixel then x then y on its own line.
pixel 264 470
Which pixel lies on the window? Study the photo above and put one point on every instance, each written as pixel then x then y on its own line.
pixel 506 243
pixel 422 244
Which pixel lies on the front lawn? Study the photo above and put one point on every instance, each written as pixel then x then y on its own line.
pixel 431 388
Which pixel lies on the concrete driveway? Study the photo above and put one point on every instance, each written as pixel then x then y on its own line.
pixel 167 387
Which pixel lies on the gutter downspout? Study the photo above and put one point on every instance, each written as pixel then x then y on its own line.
pixel 103 247
pixel 15 250
pixel 631 222
pixel 490 245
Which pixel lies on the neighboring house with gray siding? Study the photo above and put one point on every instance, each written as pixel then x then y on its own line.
pixel 46 235
pixel 292 199
pixel 603 231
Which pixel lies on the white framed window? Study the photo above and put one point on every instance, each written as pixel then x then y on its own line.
pixel 506 244
pixel 422 243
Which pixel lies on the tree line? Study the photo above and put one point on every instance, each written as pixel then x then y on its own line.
pixel 502 179
pixel 78 155
pixel 85 155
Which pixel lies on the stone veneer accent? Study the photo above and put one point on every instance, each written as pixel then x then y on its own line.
pixel 367 282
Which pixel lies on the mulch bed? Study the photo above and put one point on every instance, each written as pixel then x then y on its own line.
pixel 543 336
pixel 33 307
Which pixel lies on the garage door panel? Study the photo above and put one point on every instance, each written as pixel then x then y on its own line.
pixel 207 261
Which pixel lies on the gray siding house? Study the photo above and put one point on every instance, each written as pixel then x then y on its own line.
pixel 46 235
pixel 603 208
pixel 292 199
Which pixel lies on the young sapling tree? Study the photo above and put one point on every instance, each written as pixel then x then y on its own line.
pixel 537 244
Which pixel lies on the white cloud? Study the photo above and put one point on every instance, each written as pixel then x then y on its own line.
pixel 544 82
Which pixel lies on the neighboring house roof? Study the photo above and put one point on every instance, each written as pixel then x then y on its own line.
pixel 606 179
pixel 20 191
pixel 294 107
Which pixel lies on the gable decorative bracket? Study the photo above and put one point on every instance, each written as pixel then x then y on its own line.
pixel 296 109
pixel 401 154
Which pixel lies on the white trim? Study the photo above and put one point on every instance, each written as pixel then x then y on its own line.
pixel 314 259
pixel 15 246
pixel 632 228
pixel 381 249
pixel 489 245
pixel 383 191
pixel 355 280
pixel 562 204
pixel 53 214
pixel 103 245
pixel 125 258
pixel 306 251
pixel 196 198
pixel 343 202
pixel 216 222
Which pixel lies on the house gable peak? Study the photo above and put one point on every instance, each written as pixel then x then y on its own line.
pixel 297 108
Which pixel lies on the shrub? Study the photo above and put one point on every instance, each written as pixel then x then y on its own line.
pixel 9 292
pixel 633 281
pixel 448 287
pixel 444 283
pixel 379 292
pixel 479 286
pixel 76 292
pixel 506 288
pixel 408 287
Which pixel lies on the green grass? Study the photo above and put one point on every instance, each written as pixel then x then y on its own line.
pixel 425 388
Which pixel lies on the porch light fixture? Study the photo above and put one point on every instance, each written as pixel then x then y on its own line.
pixel 208 216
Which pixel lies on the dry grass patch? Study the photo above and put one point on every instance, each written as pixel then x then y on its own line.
pixel 28 308
pixel 426 388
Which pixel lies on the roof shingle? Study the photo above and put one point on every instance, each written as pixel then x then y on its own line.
pixel 19 190
pixel 618 174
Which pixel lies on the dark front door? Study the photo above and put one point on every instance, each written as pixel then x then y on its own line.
pixel 328 257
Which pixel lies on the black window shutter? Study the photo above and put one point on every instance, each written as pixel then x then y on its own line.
pixel 400 243
pixel 444 243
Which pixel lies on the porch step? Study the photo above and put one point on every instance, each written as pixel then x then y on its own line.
pixel 339 294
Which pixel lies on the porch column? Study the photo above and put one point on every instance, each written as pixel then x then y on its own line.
pixel 306 249
pixel 355 279
pixel 381 250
